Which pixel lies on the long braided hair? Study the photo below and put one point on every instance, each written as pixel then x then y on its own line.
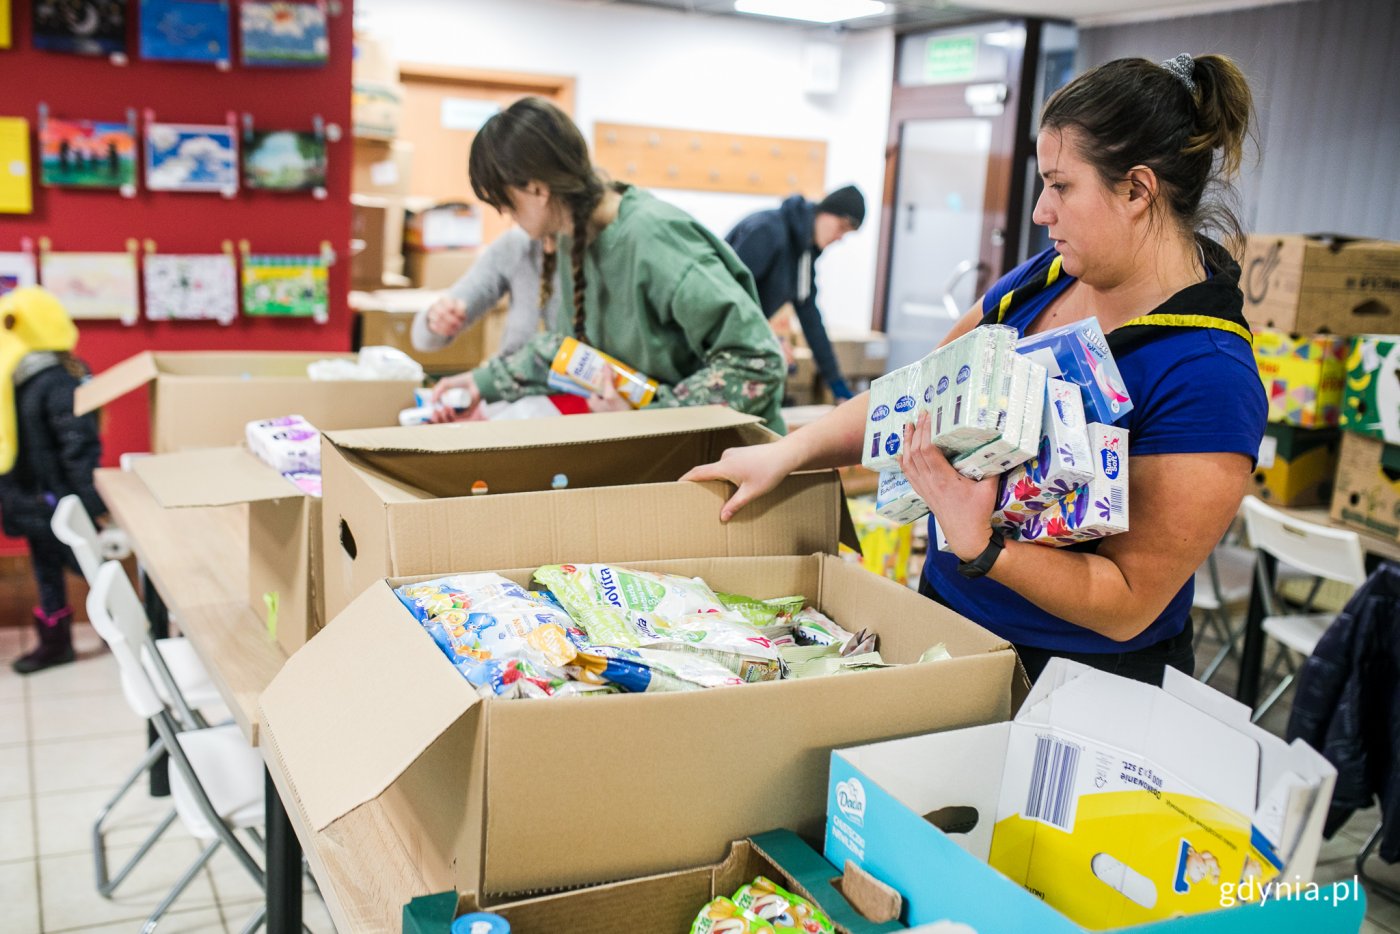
pixel 533 140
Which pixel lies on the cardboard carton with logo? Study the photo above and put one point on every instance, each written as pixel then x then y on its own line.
pixel 506 796
pixel 1106 804
pixel 1296 466
pixel 1303 377
pixel 1371 405
pixel 284 524
pixel 400 501
pixel 1367 491
pixel 204 399
pixel 1321 283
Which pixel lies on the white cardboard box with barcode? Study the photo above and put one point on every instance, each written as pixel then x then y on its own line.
pixel 1107 803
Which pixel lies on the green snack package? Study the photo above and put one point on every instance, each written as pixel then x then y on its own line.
pixel 782 909
pixel 763 613
pixel 722 916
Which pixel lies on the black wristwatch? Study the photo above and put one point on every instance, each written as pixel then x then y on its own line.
pixel 982 564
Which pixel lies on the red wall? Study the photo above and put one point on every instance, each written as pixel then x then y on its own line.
pixel 79 87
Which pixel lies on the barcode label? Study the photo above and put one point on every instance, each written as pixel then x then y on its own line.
pixel 1054 776
pixel 1115 500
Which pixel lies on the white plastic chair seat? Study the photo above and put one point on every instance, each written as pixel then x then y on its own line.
pixel 231 773
pixel 190 675
pixel 1299 633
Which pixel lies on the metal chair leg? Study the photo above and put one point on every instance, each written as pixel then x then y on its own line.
pixel 1283 685
pixel 105 884
pixel 1372 883
pixel 256 921
pixel 180 886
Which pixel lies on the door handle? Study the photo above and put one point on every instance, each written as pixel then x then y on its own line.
pixel 960 272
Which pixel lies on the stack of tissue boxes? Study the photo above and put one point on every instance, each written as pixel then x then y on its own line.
pixel 1061 463
pixel 1097 508
pixel 289 444
pixel 1078 353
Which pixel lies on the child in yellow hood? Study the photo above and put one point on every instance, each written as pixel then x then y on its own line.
pixel 46 453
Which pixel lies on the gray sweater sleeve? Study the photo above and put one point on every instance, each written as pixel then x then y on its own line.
pixel 504 267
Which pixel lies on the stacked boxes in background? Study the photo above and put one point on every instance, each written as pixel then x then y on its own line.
pixel 1367 490
pixel 1372 401
pixel 1311 284
pixel 1296 466
pixel 885 544
pixel 1303 377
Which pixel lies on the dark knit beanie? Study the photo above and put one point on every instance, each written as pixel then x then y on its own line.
pixel 845 202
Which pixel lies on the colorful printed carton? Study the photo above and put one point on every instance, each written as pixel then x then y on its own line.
pixel 896 399
pixel 1296 466
pixel 1371 403
pixel 885 544
pixel 1094 510
pixel 1061 463
pixel 1303 377
pixel 1079 352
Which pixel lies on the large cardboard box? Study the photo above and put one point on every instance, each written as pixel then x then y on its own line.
pixel 437 269
pixel 861 356
pixel 400 502
pixel 1314 284
pixel 1367 492
pixel 668 902
pixel 1296 466
pixel 483 792
pixel 1106 804
pixel 368 238
pixel 385 320
pixel 1303 377
pixel 376 108
pixel 284 525
pixel 372 59
pixel 1371 404
pixel 383 168
pixel 204 399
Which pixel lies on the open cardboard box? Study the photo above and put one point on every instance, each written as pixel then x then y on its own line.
pixel 668 902
pixel 204 399
pixel 399 502
pixel 1103 805
pixel 498 797
pixel 284 530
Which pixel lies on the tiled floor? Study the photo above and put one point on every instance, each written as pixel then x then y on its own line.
pixel 67 739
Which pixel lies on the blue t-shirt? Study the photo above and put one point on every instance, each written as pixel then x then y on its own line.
pixel 1194 391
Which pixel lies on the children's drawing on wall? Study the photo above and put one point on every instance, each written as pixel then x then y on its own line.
pixel 284 34
pixel 82 27
pixel 285 160
pixel 16 271
pixel 92 285
pixel 185 30
pixel 286 286
pixel 183 157
pixel 86 154
pixel 191 287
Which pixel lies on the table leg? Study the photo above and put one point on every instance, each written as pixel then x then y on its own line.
pixel 159 618
pixel 1252 652
pixel 283 865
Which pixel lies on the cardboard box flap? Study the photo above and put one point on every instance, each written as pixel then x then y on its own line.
pixel 346 724
pixel 115 382
pixel 212 477
pixel 516 434
pixel 262 364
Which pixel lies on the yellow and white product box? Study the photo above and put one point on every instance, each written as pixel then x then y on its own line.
pixel 1094 510
pixel 896 500
pixel 896 399
pixel 1106 803
pixel 1303 377
pixel 582 370
pixel 885 544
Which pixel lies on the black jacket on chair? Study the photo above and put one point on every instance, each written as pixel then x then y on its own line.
pixel 58 451
pixel 1348 705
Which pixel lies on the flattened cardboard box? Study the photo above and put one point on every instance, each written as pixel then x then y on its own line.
pixel 1313 284
pixel 1367 492
pixel 481 791
pixel 398 502
pixel 284 524
pixel 204 399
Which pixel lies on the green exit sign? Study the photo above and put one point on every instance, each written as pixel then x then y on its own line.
pixel 950 59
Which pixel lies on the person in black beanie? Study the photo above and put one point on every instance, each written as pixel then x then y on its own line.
pixel 780 247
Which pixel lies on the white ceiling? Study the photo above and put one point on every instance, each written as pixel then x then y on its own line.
pixel 914 14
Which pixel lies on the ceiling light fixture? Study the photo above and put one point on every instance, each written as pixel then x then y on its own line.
pixel 812 11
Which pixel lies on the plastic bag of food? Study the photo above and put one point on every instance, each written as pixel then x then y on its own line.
pixel 762 613
pixel 649 670
pixel 812 627
pixel 577 586
pixel 430 598
pixel 782 909
pixel 722 916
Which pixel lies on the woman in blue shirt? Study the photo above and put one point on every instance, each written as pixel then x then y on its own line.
pixel 1126 152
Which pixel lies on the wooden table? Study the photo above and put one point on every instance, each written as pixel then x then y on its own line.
pixel 197 560
pixel 1252 651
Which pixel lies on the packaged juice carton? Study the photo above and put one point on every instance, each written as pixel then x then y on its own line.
pixel 582 371
pixel 1079 352
pixel 1094 510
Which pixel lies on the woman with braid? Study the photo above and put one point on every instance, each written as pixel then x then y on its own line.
pixel 1127 152
pixel 645 282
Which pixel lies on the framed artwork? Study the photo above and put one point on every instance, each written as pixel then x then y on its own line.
pixel 16 178
pixel 283 35
pixel 6 36
pixel 16 271
pixel 185 30
pixel 191 287
pixel 81 27
pixel 189 157
pixel 286 287
pixel 284 160
pixel 86 154
pixel 92 285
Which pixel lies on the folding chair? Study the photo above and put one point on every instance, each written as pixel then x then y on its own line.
pixel 216 778
pixel 1318 550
